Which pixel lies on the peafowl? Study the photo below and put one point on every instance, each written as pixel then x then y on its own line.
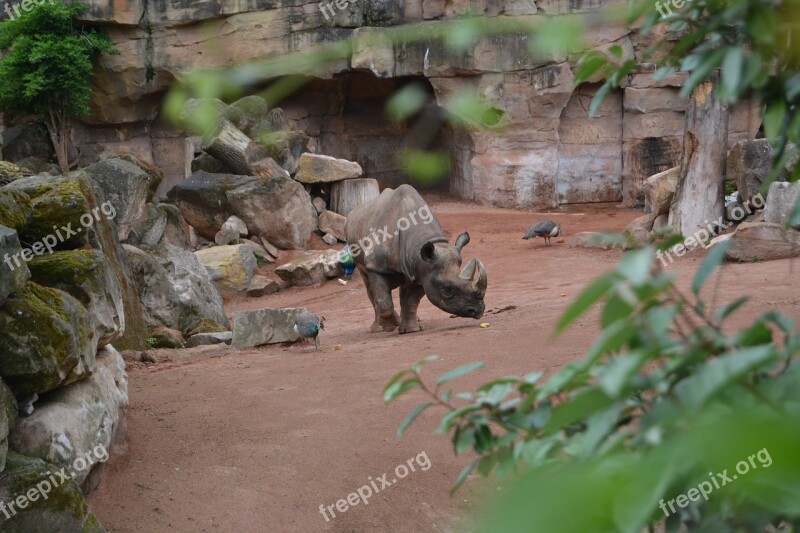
pixel 308 325
pixel 544 228
pixel 347 261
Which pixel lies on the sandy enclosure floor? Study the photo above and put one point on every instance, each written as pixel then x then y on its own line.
pixel 256 440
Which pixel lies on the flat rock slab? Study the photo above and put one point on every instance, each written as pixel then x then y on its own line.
pixel 311 267
pixel 763 241
pixel 265 326
pixel 207 339
pixel 316 168
pixel 262 285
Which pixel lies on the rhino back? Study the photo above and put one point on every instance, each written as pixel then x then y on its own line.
pixel 399 252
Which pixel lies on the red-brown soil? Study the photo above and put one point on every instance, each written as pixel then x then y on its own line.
pixel 256 440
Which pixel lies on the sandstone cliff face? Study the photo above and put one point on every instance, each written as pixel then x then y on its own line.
pixel 545 151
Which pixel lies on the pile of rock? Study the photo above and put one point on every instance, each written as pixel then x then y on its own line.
pixel 765 231
pixel 59 314
pixel 257 188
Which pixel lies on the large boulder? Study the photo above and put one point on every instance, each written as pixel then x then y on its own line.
pixel 86 275
pixel 174 288
pixel 127 186
pixel 276 209
pixel 26 140
pixel 8 419
pixel 229 267
pixel 749 164
pixel 84 419
pixel 58 205
pixel 53 506
pixel 48 340
pixel 781 202
pixel 311 267
pixel 763 241
pixel 265 326
pixel 316 168
pixel 659 191
pixel 12 275
pixel 249 114
pixel 159 224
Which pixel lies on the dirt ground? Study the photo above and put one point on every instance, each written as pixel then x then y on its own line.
pixel 257 440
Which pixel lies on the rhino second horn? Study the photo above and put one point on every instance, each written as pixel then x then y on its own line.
pixel 475 273
pixel 462 241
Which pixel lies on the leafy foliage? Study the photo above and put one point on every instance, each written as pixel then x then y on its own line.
pixel 664 395
pixel 752 42
pixel 47 64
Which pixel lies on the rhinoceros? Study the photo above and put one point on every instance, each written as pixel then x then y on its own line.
pixel 397 242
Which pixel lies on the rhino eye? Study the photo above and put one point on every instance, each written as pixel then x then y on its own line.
pixel 447 292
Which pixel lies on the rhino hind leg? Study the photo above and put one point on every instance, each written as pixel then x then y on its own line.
pixel 380 294
pixel 410 296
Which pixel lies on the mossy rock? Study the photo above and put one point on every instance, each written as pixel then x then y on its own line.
pixel 87 276
pixel 48 339
pixel 10 172
pixel 15 209
pixel 164 337
pixel 64 509
pixel 59 206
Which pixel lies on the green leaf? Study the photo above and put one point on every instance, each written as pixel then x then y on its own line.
pixel 424 167
pixel 635 266
pixel 709 264
pixel 416 367
pixel 399 388
pixel 464 439
pixel 463 475
pixel 458 372
pixel 615 375
pixel 773 121
pixel 411 417
pixel 700 74
pixel 597 101
pixel 596 290
pixel 407 101
pixel 732 71
pixel 721 373
pixel 726 310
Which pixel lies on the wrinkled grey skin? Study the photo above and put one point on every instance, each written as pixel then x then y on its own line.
pixel 418 260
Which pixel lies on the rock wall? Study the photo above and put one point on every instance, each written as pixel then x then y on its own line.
pixel 545 151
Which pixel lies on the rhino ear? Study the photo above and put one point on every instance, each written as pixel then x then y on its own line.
pixel 462 241
pixel 428 252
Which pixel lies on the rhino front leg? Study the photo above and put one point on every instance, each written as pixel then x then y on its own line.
pixel 410 296
pixel 380 294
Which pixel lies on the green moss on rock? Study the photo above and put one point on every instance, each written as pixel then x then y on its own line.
pixel 10 172
pixel 60 206
pixel 64 509
pixel 48 340
pixel 15 209
pixel 68 267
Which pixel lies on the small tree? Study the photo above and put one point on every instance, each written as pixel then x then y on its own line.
pixel 46 67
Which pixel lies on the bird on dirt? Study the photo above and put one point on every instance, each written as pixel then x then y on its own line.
pixel 308 326
pixel 543 228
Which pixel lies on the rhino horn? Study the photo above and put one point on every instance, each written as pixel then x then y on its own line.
pixel 475 273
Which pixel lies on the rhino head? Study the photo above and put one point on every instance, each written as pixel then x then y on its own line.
pixel 447 285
